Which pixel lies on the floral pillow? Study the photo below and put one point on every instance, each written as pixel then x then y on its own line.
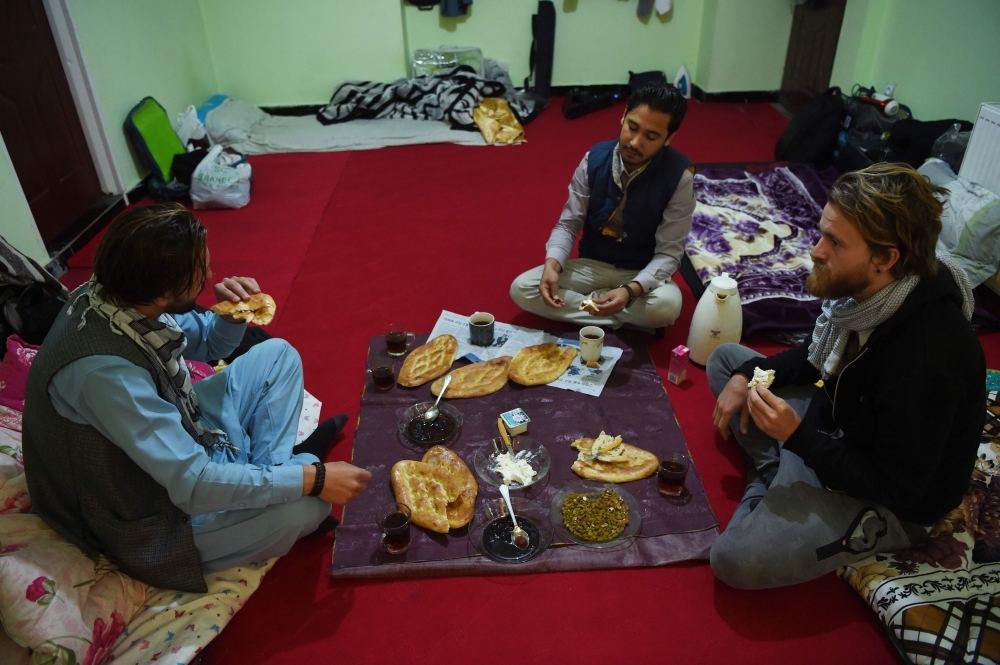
pixel 65 604
pixel 13 489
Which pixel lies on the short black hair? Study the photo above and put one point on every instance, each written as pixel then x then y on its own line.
pixel 662 97
pixel 149 252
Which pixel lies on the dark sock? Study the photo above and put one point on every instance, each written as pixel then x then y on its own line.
pixel 318 443
pixel 325 527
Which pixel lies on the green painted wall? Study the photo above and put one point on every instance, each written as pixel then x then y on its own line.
pixel 297 51
pixel 501 28
pixel 599 41
pixel 726 44
pixel 135 48
pixel 942 56
pixel 743 45
pixel 16 223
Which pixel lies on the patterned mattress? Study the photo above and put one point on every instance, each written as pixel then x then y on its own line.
pixel 759 225
pixel 940 600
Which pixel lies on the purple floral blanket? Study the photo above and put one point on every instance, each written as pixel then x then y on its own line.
pixel 759 227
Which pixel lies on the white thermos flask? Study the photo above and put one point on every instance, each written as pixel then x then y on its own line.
pixel 717 319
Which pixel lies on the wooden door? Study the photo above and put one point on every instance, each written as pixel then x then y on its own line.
pixel 812 48
pixel 39 121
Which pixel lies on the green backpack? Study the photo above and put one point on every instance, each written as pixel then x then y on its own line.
pixel 156 142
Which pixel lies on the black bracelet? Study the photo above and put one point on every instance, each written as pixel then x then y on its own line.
pixel 320 478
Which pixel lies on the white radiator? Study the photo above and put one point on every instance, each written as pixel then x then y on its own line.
pixel 982 158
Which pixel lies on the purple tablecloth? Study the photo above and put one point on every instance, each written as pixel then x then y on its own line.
pixel 633 405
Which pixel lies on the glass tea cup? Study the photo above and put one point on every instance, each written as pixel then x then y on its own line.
pixel 382 371
pixel 394 521
pixel 397 339
pixel 672 474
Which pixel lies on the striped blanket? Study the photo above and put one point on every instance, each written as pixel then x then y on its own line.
pixel 449 94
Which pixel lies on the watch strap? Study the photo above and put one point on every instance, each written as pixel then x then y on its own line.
pixel 631 294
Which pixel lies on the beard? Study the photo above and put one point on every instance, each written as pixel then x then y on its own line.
pixel 181 307
pixel 822 283
pixel 630 158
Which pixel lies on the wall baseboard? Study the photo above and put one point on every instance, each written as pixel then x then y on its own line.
pixel 304 109
pixel 88 225
pixel 740 97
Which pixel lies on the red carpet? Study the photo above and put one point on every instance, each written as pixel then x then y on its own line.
pixel 347 242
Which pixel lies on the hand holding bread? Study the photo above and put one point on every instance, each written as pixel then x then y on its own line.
pixel 240 301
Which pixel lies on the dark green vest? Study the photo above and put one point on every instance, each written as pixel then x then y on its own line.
pixel 84 486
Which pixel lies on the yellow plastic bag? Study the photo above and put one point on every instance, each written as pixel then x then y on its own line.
pixel 497 122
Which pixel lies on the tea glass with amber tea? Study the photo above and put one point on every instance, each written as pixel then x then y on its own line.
pixel 397 339
pixel 394 521
pixel 672 473
pixel 383 372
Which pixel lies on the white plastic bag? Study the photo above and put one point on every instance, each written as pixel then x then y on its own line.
pixel 188 126
pixel 222 180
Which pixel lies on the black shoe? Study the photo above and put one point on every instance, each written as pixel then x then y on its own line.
pixel 319 442
pixel 340 420
pixel 325 527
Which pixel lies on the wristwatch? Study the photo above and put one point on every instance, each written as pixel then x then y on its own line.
pixel 631 294
pixel 320 479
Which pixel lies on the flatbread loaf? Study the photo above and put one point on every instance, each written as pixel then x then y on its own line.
pixel 540 364
pixel 633 463
pixel 427 489
pixel 460 510
pixel 440 490
pixel 258 308
pixel 475 380
pixel 428 362
pixel 761 377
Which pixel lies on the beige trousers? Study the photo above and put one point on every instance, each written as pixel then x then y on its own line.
pixel 582 277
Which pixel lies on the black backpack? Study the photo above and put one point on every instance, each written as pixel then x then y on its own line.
pixel 28 311
pixel 579 102
pixel 637 80
pixel 812 134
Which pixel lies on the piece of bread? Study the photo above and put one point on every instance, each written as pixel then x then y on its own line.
pixel 428 362
pixel 440 490
pixel 258 308
pixel 461 510
pixel 633 464
pixel 427 489
pixel 475 380
pixel 540 364
pixel 589 304
pixel 761 377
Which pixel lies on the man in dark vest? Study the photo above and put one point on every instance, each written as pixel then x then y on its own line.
pixel 125 457
pixel 633 199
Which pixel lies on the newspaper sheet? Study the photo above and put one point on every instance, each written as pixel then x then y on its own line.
pixel 509 339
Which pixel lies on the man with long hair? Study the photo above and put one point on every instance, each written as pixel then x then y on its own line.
pixel 869 432
pixel 124 456
pixel 633 198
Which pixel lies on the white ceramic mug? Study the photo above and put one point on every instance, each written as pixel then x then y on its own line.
pixel 591 343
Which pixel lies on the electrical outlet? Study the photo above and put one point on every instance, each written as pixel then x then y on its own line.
pixel 890 88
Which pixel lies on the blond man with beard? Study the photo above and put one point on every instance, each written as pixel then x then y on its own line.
pixel 869 432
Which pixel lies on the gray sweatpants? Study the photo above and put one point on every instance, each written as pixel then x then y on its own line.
pixel 789 528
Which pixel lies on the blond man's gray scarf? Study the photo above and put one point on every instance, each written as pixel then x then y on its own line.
pixel 841 316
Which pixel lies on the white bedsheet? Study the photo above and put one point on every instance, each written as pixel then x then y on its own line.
pixel 251 131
